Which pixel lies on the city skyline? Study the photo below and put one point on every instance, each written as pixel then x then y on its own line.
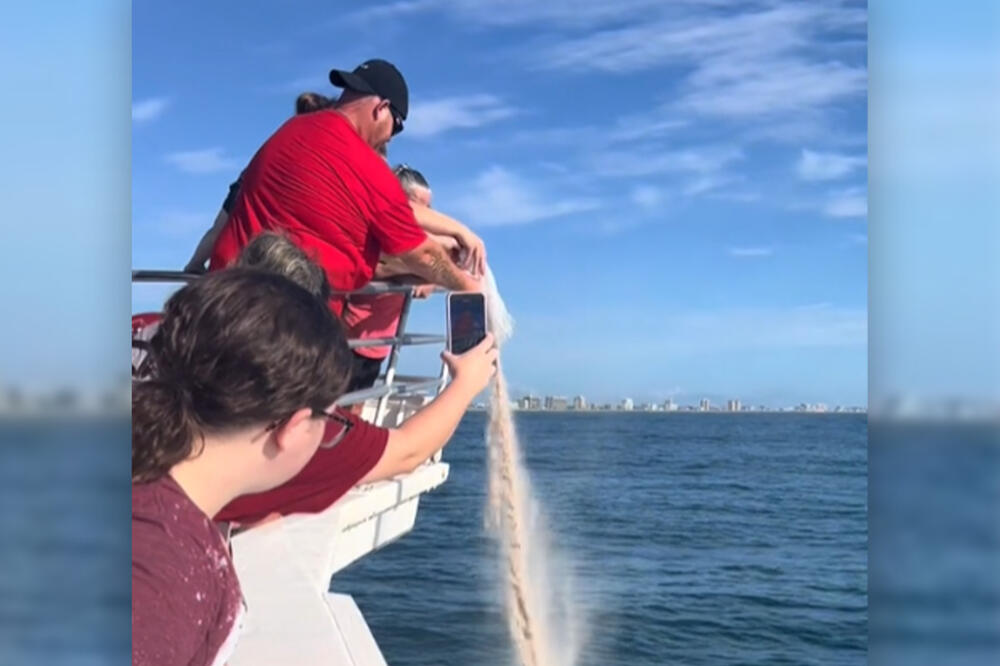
pixel 557 403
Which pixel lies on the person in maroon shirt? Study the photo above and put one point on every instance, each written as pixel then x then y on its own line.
pixel 352 451
pixel 320 180
pixel 245 366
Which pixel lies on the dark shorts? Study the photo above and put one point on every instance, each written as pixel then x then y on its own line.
pixel 364 372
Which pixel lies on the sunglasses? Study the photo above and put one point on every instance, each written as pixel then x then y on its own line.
pixel 334 434
pixel 397 119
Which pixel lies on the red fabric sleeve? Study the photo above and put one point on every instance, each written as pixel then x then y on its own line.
pixel 327 477
pixel 394 225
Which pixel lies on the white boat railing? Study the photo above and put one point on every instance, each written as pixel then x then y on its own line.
pixel 389 385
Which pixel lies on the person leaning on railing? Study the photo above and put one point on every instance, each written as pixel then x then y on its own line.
pixel 353 451
pixel 319 179
pixel 375 316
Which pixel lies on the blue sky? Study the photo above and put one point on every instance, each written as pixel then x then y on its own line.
pixel 673 195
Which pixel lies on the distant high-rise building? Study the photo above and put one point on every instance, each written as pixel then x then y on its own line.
pixel 628 405
pixel 733 406
pixel 579 403
pixel 556 403
pixel 669 405
pixel 704 405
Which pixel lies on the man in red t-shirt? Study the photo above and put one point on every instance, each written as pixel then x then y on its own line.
pixel 320 181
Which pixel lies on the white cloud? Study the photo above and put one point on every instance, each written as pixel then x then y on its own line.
pixel 645 127
pixel 697 160
pixel 379 13
pixel 743 63
pixel 570 13
pixel 647 196
pixel 826 166
pixel 849 202
pixel 208 160
pixel 770 87
pixel 431 118
pixel 499 197
pixel 149 109
pixel 709 182
pixel 744 252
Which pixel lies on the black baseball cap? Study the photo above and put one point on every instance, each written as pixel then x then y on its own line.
pixel 376 77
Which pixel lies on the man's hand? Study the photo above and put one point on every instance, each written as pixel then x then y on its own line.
pixel 430 261
pixel 475 252
pixel 474 369
pixel 437 223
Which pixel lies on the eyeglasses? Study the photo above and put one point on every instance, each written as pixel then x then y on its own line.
pixel 330 439
pixel 338 434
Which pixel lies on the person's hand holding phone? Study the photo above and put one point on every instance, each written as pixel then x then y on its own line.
pixel 476 367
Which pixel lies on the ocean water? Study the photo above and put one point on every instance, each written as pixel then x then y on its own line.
pixel 65 541
pixel 695 539
pixel 698 539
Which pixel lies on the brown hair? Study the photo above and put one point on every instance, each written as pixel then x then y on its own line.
pixel 274 253
pixel 308 102
pixel 236 348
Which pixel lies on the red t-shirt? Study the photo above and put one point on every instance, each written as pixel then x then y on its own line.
pixel 318 182
pixel 187 607
pixel 368 316
pixel 327 477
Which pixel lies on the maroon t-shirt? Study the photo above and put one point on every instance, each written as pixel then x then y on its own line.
pixel 327 477
pixel 187 608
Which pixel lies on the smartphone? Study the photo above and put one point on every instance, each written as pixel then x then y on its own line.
pixel 466 321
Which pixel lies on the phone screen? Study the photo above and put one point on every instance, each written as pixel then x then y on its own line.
pixel 467 314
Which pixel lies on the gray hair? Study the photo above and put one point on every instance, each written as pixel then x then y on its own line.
pixel 410 178
pixel 274 253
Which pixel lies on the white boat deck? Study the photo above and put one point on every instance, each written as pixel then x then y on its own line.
pixel 285 568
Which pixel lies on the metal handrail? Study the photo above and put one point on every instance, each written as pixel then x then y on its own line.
pixel 407 340
pixel 377 287
pixel 391 386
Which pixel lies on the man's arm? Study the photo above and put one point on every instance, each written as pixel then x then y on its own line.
pixel 438 223
pixel 427 431
pixel 391 267
pixel 431 262
pixel 204 249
